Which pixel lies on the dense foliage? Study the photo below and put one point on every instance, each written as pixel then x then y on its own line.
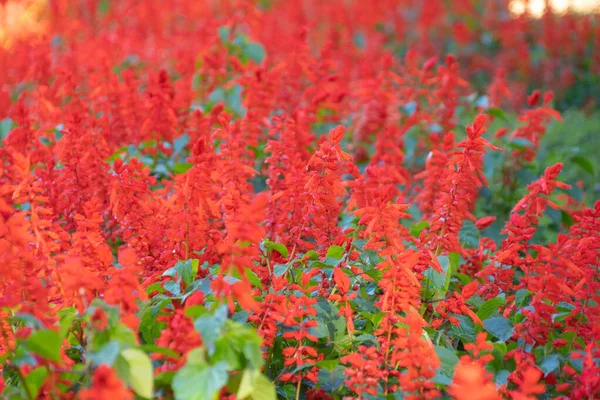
pixel 298 200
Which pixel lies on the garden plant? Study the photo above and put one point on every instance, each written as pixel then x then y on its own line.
pixel 298 199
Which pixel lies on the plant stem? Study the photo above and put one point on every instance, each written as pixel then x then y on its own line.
pixel 298 389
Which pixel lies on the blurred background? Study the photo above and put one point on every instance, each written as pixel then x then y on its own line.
pixel 506 48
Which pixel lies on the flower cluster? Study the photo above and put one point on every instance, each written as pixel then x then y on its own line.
pixel 300 198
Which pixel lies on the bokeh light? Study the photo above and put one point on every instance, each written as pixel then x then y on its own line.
pixel 20 19
pixel 537 8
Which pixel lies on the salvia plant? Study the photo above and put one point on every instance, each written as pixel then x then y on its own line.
pixel 295 199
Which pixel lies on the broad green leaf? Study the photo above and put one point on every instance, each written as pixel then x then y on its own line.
pixel 278 247
pixel 173 287
pixel 499 327
pixel 124 335
pixel 502 378
pixel 140 373
pixel 416 229
pixel 332 381
pixel 255 52
pixel 280 269
pixel 28 319
pixel 469 234
pixel 329 365
pixel 239 346
pixel 448 360
pixel 181 168
pixel 247 382
pixel 520 143
pixel 522 297
pixel 465 330
pixel 454 259
pixel 367 338
pixel 35 380
pixel 150 348
pixel 6 126
pixel 334 255
pixel 438 282
pixel 550 363
pixel 585 164
pixel 67 316
pixel 328 315
pixel 496 112
pixel 185 270
pixel 209 326
pixel 107 354
pixel 320 331
pixel 253 278
pixel 149 327
pixel 263 389
pixel 45 343
pixel 235 276
pixel 489 307
pixel 199 381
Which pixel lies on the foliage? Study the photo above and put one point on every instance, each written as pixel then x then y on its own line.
pixel 298 200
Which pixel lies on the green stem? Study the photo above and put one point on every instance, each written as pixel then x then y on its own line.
pixel 22 378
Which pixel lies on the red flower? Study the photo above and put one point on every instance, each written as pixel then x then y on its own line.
pixel 106 385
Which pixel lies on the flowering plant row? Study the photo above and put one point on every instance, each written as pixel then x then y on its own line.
pixel 241 199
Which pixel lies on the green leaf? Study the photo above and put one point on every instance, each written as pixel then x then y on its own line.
pixel 502 378
pixel 332 381
pixel 140 374
pixel 416 230
pixel 499 327
pixel 35 380
pixel 255 52
pixel 250 275
pixel 239 346
pixel 280 269
pixel 173 287
pixel 520 144
pixel 438 283
pixel 181 168
pixel 209 326
pixel 150 348
pixel 149 327
pixel 522 297
pixel 496 112
pixel 489 307
pixel 585 164
pixel 28 319
pixel 263 389
pixel 328 317
pixel 278 247
pixel 469 234
pixel 367 338
pixel 199 381
pixel 185 270
pixel 247 382
pixel 124 335
pixel 224 33
pixel 448 360
pixel 550 363
pixel 253 278
pixel 6 126
pixel 107 354
pixel 45 343
pixel 67 316
pixel 329 365
pixel 454 259
pixel 334 255
pixel 311 255
pixel 465 330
